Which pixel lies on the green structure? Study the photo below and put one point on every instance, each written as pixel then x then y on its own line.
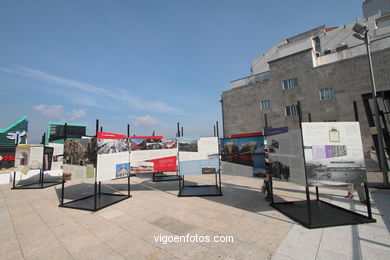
pixel 14 131
pixel 56 132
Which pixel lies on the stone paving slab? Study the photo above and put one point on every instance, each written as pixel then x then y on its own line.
pixel 32 226
pixel 366 241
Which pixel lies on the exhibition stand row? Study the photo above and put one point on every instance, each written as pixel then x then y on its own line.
pixel 319 154
pixel 107 156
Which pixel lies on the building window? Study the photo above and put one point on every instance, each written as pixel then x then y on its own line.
pixel 290 83
pixel 326 93
pixel 317 44
pixel 265 104
pixel 292 110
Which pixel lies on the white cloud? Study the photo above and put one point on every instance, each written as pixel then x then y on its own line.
pixel 57 112
pixel 114 94
pixel 76 114
pixel 144 120
pixel 51 111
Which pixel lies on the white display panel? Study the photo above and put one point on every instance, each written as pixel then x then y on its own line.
pixel 198 156
pixel 333 153
pixel 286 155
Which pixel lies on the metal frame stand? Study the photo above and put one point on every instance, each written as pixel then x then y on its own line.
pixel 160 176
pixel 320 214
pixel 202 190
pixel 317 213
pixel 98 200
pixel 41 184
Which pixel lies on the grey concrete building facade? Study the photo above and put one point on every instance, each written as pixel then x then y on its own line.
pixel 325 69
pixel 373 7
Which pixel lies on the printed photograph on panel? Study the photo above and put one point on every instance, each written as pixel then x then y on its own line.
pixel 188 146
pixel 285 154
pixel 334 153
pixel 122 170
pixel 106 146
pixel 247 151
pixel 80 151
pixel 146 144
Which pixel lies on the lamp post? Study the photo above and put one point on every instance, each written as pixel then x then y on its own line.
pixel 361 33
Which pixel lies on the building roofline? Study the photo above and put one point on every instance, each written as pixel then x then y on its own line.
pixel 249 76
pixel 299 52
pixel 62 123
pixel 8 127
pixel 59 123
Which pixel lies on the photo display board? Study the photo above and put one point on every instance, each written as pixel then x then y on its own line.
pixel 58 156
pixel 198 155
pixel 285 154
pixel 334 153
pixel 152 154
pixel 80 158
pixel 48 158
pixel 245 151
pixel 33 157
pixel 113 156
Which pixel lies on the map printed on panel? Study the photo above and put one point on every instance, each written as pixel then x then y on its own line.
pixel 334 153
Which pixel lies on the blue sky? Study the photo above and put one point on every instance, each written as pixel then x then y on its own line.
pixel 147 63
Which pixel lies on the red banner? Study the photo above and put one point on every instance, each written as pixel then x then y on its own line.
pixel 247 135
pixel 147 137
pixel 166 164
pixel 104 135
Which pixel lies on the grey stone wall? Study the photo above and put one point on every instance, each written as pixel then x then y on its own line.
pixel 349 78
pixel 372 7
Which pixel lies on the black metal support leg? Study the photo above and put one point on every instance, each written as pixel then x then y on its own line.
pixel 179 185
pixel 62 190
pixel 13 181
pixel 41 180
pixel 128 185
pixel 271 189
pixel 220 182
pixel 308 205
pixel 95 199
pixel 368 200
pixel 317 194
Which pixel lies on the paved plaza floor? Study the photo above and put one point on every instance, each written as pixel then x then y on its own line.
pixel 32 226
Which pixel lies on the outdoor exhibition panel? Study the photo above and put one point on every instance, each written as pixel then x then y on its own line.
pixel 199 156
pixel 245 150
pixel 32 161
pixel 333 153
pixel 92 160
pixel 153 154
pixel 113 156
pixel 285 154
pixel 329 154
